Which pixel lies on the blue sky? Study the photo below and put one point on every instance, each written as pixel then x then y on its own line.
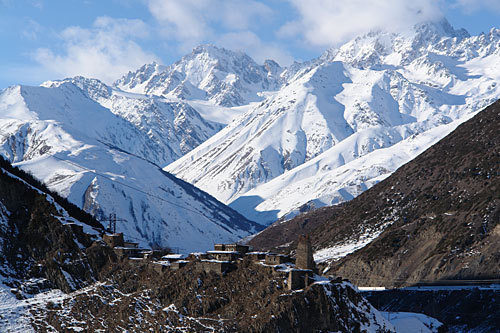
pixel 53 39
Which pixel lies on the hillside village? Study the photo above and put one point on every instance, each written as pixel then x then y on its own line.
pixel 223 258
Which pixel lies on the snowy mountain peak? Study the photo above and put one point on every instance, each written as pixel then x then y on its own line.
pixel 172 128
pixel 273 68
pixel 93 88
pixel 383 47
pixel 134 81
pixel 440 28
pixel 218 53
pixel 209 73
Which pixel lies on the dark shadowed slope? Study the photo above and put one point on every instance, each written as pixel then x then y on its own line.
pixel 41 245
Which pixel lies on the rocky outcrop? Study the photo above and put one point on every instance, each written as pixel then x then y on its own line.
pixel 251 298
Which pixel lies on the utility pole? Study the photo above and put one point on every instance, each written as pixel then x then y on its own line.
pixel 112 222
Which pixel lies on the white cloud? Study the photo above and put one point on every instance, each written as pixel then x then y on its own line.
pixel 181 19
pixel 330 22
pixel 32 29
pixel 191 22
pixel 250 43
pixel 105 51
pixel 37 3
pixel 470 6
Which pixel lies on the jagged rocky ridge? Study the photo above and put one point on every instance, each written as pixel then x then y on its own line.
pixel 105 164
pixel 346 120
pixel 171 128
pixel 436 218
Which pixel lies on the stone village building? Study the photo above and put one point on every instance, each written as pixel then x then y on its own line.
pixel 223 259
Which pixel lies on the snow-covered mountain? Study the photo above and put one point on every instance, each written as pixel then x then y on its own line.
pixel 209 73
pixel 102 163
pixel 319 139
pixel 313 134
pixel 171 128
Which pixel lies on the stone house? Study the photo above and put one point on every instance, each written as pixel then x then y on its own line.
pixel 178 264
pixel 219 267
pixel 223 255
pixel 173 257
pixel 237 248
pixel 276 259
pixel 256 256
pixel 197 256
pixel 220 247
pixel 299 278
pixel 113 240
pixel 132 252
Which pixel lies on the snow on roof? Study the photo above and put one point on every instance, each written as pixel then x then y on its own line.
pixel 217 261
pixel 223 252
pixel 180 262
pixel 174 256
pixel 129 248
pixel 161 262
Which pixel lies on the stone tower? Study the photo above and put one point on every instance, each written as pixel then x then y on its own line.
pixel 304 259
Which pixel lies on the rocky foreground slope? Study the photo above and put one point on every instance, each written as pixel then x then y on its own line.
pixel 436 218
pixel 251 298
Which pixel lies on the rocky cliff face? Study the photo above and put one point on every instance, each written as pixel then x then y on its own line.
pixel 41 245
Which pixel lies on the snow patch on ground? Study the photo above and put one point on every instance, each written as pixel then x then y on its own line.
pixel 408 322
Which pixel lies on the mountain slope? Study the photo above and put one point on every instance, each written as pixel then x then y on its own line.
pixel 55 276
pixel 370 94
pixel 209 73
pixel 93 157
pixel 170 128
pixel 436 218
pixel 445 213
pixel 251 298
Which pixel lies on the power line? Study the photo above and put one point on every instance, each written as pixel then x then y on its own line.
pixel 131 187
